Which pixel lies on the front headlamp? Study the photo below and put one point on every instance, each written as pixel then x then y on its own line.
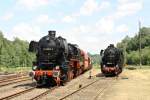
pixel 56 73
pixel 34 67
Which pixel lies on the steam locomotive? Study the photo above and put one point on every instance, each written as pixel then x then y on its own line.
pixel 57 61
pixel 112 61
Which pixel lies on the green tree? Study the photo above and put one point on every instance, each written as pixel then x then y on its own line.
pixel 15 53
pixel 132 47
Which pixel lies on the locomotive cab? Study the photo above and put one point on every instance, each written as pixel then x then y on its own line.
pixel 33 46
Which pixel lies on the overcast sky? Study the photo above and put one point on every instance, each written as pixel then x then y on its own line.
pixel 92 24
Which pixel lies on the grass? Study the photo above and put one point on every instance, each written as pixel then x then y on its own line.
pixel 4 69
pixel 137 67
pixel 96 66
pixel 130 67
pixel 14 69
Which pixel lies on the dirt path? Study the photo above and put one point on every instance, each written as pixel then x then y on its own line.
pixel 132 85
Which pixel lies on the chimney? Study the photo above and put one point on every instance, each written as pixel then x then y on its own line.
pixel 51 33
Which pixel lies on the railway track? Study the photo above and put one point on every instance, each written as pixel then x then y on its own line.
pixel 99 93
pixel 43 94
pixel 103 86
pixel 13 80
pixel 15 95
pixel 5 77
pixel 77 90
pixel 102 83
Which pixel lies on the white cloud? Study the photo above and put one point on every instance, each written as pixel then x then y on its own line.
pixel 91 6
pixel 105 25
pixel 122 28
pixel 89 37
pixel 92 37
pixel 81 29
pixel 44 19
pixel 128 7
pixel 32 4
pixel 124 8
pixel 124 1
pixel 25 31
pixel 7 16
pixel 104 5
pixel 68 19
pixel 88 8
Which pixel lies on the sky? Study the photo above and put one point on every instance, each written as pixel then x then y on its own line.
pixel 92 24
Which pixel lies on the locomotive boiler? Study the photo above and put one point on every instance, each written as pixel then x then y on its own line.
pixel 112 60
pixel 56 60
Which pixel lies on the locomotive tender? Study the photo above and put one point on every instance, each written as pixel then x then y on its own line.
pixel 112 61
pixel 56 60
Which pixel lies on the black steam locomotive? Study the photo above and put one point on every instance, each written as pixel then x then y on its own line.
pixel 56 60
pixel 112 61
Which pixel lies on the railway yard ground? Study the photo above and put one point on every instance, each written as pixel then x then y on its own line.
pixel 133 84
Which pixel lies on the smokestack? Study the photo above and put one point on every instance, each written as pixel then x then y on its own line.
pixel 51 33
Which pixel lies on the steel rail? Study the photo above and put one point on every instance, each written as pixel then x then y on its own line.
pixel 15 81
pixel 79 89
pixel 17 94
pixel 43 94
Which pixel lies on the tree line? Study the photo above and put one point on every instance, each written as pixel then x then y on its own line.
pixel 95 58
pixel 131 45
pixel 15 53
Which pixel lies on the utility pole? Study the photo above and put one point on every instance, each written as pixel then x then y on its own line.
pixel 140 52
pixel 125 54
